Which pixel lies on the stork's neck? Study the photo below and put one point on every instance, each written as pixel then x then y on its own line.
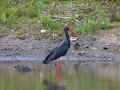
pixel 67 41
pixel 67 35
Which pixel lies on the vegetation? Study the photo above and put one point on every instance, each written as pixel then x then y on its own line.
pixel 29 17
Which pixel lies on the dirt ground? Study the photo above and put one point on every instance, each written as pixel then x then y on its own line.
pixel 105 46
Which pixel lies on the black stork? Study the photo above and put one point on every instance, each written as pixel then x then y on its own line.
pixel 60 50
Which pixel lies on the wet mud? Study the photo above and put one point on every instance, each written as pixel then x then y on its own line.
pixel 105 46
pixel 22 68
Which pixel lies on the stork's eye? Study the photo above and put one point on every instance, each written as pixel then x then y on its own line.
pixel 67 28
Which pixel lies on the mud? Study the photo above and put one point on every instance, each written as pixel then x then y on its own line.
pixel 22 68
pixel 105 46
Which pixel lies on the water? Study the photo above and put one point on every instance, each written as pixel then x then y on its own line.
pixel 75 75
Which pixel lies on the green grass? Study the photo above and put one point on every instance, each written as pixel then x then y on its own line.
pixel 118 17
pixel 32 16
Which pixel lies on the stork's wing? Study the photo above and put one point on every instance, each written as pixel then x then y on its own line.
pixel 50 56
pixel 56 53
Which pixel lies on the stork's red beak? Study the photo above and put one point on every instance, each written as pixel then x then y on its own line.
pixel 73 32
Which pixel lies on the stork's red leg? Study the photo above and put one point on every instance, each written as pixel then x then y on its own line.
pixel 58 74
pixel 58 66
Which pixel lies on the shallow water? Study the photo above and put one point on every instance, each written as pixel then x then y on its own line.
pixel 75 75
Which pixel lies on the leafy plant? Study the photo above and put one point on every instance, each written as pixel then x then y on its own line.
pixel 117 17
pixel 44 19
pixel 84 17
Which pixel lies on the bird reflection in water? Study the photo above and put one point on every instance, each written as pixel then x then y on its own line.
pixel 52 86
pixel 58 72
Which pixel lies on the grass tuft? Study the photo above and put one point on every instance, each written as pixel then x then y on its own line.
pixel 32 16
pixel 117 17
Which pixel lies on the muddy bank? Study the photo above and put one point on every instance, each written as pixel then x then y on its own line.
pixel 105 46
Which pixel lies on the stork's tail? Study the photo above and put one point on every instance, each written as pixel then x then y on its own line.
pixel 45 61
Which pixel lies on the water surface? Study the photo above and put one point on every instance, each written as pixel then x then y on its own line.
pixel 75 75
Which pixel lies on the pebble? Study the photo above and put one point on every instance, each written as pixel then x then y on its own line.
pixel 73 39
pixel 43 31
pixel 81 53
pixel 105 48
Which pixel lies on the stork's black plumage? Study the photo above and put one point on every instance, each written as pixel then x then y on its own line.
pixel 60 50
